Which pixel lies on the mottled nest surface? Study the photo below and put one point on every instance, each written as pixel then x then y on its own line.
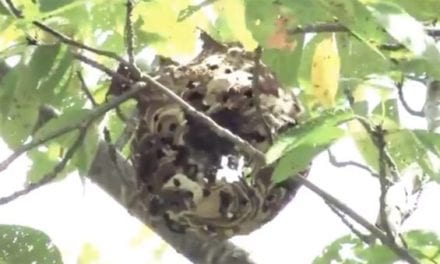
pixel 193 178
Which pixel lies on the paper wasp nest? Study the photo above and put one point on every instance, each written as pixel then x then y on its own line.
pixel 194 179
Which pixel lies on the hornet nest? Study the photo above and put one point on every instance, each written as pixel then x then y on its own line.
pixel 194 179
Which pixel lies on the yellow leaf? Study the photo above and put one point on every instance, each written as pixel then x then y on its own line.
pixel 325 72
pixel 9 36
pixel 144 234
pixel 161 18
pixel 236 22
pixel 89 254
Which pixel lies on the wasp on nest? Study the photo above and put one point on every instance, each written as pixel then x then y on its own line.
pixel 194 179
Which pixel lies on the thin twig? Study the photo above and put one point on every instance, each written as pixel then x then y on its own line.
pixel 219 130
pixel 337 27
pixel 340 164
pixel 216 128
pixel 15 11
pixel 386 164
pixel 69 41
pixel 399 86
pixel 85 89
pixel 129 35
pixel 381 145
pixel 191 9
pixel 256 91
pixel 96 113
pixel 101 67
pixel 66 40
pixel 318 28
pixel 372 131
pixel 56 170
pixel 401 252
pixel 365 238
pixel 121 115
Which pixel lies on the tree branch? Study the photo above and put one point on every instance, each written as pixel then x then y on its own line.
pixel 191 9
pixel 96 113
pixel 124 189
pixel 15 11
pixel 85 89
pixel 381 145
pixel 216 128
pixel 129 35
pixel 339 164
pixel 256 90
pixel 432 106
pixel 399 251
pixel 57 169
pixel 337 27
pixel 365 238
pixel 318 28
pixel 399 86
pixel 66 40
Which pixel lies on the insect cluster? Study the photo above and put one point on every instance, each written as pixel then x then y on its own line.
pixel 195 179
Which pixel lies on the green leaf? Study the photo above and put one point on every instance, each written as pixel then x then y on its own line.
pixel 85 154
pixel 43 162
pixel 405 149
pixel 285 63
pixel 375 254
pixel 352 51
pixel 356 17
pixel 233 28
pixel 7 88
pixel 361 253
pixel 431 142
pixel 221 30
pixel 261 17
pixel 364 144
pixel 271 21
pixel 25 245
pixel 46 158
pixel 309 132
pixel 424 244
pixel 423 10
pixel 3 9
pixel 409 32
pixel 300 156
pixel 41 63
pixel 48 87
pixel 332 252
pixel 68 118
pixel 50 5
pixel 22 99
pixel 389 112
pixel 17 125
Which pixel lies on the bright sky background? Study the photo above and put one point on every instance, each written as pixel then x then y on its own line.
pixel 73 214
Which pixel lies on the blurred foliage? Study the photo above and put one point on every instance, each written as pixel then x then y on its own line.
pixel 25 245
pixel 384 39
pixel 88 255
pixel 349 249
